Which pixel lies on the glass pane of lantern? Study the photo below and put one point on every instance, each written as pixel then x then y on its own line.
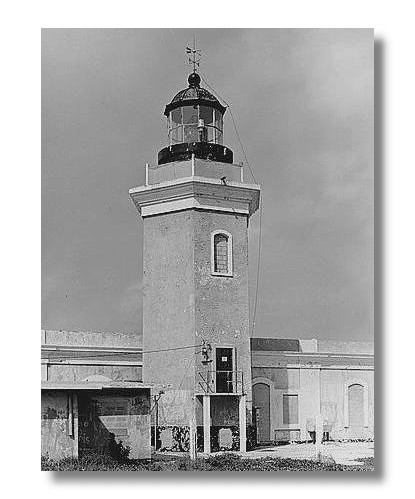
pixel 189 114
pixel 176 116
pixel 219 136
pixel 211 134
pixel 206 114
pixel 176 135
pixel 180 133
pixel 218 119
pixel 190 133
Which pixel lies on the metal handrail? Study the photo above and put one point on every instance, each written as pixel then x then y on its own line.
pixel 209 380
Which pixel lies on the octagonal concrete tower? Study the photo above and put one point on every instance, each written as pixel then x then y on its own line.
pixel 196 209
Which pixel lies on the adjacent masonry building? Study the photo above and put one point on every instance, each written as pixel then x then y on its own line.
pixel 294 380
pixel 93 396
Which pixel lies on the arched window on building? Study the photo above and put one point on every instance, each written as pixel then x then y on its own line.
pixel 221 253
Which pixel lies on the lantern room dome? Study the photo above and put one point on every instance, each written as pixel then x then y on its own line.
pixel 194 94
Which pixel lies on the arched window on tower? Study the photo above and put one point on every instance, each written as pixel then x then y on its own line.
pixel 221 253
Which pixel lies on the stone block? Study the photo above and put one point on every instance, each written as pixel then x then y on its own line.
pixel 225 438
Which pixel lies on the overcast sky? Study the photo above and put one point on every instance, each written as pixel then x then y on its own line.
pixel 303 101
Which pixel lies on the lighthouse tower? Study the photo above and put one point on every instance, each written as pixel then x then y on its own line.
pixel 196 208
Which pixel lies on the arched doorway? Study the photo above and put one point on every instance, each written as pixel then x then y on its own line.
pixel 356 410
pixel 261 399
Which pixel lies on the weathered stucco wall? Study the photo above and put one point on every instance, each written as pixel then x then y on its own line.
pixel 87 338
pixel 59 434
pixel 168 299
pixel 185 304
pixel 222 303
pixel 68 373
pixel 174 408
pixel 70 356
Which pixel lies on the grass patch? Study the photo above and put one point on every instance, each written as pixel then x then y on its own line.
pixel 223 462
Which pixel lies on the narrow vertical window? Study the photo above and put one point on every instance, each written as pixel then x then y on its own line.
pixel 221 253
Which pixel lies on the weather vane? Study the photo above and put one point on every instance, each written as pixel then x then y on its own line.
pixel 194 56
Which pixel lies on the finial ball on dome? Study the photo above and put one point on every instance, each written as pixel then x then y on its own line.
pixel 194 80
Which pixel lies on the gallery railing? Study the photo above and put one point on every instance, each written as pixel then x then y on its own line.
pixel 156 174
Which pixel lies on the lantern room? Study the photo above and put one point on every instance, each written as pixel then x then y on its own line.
pixel 195 126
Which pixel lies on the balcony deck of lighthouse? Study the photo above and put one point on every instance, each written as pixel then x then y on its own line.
pixel 196 208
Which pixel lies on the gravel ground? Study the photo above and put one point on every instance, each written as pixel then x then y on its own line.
pixel 346 453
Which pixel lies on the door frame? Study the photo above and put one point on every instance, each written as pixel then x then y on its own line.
pixel 231 347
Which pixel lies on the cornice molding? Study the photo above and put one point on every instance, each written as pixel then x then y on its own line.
pixel 196 193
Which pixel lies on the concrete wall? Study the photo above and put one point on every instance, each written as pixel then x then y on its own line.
pixel 59 434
